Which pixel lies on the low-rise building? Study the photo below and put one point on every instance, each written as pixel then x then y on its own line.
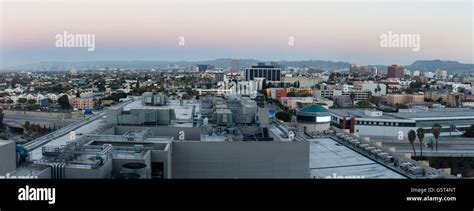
pixel 313 119
pixel 82 103
pixel 394 99
pixel 386 124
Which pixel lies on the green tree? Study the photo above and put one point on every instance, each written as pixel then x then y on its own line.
pixel 143 89
pixel 420 133
pixel 27 125
pixel 22 100
pixel 264 84
pixel 411 139
pixel 416 84
pixel 283 116
pixel 436 130
pixel 101 87
pixel 63 101
pixel 1 116
pixel 31 101
pixel 378 89
pixel 363 104
pixel 352 96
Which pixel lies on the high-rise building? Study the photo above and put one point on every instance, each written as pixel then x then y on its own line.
pixel 219 76
pixel 374 71
pixel 356 70
pixel 269 72
pixel 235 65
pixel 202 67
pixel 395 71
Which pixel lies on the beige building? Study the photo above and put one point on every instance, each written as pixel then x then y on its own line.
pixel 451 99
pixel 404 99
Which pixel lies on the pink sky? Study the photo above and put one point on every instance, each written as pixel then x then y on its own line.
pixel 333 30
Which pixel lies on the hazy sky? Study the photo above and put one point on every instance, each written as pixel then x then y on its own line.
pixel 150 30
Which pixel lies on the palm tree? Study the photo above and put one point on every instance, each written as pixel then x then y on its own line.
pixel 411 138
pixel 436 130
pixel 352 96
pixel 378 89
pixel 420 132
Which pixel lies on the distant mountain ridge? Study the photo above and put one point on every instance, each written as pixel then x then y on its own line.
pixel 421 65
pixel 142 64
pixel 451 66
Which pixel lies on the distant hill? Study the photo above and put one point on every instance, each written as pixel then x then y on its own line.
pixel 450 66
pixel 422 65
pixel 139 64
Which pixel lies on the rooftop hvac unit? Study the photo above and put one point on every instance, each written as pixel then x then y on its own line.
pixel 369 148
pixel 138 148
pixel 416 170
pixel 434 176
pixel 376 151
pixel 135 168
pixel 382 154
pixel 406 165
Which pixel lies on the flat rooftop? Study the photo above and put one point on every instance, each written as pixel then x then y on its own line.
pixel 5 142
pixel 62 140
pixel 30 170
pixel 155 145
pixel 183 112
pixel 410 114
pixel 329 158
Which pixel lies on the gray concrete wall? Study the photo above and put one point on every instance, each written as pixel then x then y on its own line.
pixel 87 173
pixel 273 159
pixel 165 158
pixel 111 115
pixel 191 133
pixel 44 174
pixel 109 131
pixel 118 162
pixel 7 157
pixel 311 128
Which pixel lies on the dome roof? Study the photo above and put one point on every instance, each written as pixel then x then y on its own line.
pixel 313 109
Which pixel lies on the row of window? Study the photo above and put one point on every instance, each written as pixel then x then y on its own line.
pixel 396 124
pixel 400 124
pixel 269 74
pixel 377 123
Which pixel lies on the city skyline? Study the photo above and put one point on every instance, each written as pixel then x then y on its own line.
pixel 322 30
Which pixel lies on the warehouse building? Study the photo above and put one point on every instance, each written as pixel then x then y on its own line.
pixel 454 121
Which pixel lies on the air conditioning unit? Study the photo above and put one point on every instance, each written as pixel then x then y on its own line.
pixel 416 170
